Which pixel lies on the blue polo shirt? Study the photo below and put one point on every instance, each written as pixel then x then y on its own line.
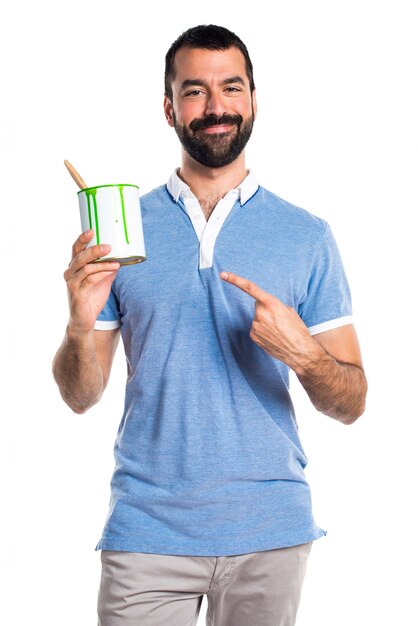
pixel 208 457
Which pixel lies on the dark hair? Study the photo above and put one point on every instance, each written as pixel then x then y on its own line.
pixel 206 36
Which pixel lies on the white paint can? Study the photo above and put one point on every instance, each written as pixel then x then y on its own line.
pixel 113 212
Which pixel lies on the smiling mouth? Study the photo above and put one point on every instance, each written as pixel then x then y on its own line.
pixel 219 128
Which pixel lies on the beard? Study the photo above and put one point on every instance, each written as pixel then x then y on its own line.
pixel 217 149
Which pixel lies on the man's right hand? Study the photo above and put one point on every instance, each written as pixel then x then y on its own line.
pixel 88 283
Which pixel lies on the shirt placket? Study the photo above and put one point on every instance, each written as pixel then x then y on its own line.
pixel 213 227
pixel 208 231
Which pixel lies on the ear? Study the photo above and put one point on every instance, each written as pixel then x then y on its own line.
pixel 168 111
pixel 254 102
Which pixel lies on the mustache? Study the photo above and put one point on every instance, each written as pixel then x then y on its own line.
pixel 214 120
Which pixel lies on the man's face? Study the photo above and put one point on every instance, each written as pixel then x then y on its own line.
pixel 212 109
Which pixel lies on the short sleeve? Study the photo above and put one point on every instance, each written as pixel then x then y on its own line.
pixel 109 318
pixel 327 301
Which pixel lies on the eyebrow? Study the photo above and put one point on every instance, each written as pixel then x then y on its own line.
pixel 192 82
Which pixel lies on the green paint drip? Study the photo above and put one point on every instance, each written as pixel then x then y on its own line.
pixel 88 204
pixel 92 193
pixel 123 212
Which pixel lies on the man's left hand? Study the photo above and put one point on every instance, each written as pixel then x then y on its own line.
pixel 276 327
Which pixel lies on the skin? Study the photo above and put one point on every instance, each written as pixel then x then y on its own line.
pixel 83 362
pixel 329 364
pixel 210 94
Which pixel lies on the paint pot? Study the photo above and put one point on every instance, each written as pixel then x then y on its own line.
pixel 114 213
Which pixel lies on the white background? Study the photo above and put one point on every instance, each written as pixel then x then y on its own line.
pixel 337 135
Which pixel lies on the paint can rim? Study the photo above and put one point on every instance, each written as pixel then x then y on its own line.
pixel 100 186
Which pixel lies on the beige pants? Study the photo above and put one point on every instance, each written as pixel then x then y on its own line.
pixel 255 589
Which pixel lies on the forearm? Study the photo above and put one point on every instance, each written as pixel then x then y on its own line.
pixel 335 388
pixel 77 371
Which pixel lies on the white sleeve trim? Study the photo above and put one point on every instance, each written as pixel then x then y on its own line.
pixel 103 325
pixel 321 328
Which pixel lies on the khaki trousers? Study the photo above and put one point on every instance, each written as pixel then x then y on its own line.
pixel 255 589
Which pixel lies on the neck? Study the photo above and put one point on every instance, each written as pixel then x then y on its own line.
pixel 209 185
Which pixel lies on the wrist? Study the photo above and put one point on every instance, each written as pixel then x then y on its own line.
pixel 78 334
pixel 311 359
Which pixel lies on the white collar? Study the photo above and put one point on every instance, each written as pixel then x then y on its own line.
pixel 245 190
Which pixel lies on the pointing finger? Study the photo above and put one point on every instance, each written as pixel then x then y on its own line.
pixel 246 285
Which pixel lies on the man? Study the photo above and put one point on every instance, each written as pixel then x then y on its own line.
pixel 209 494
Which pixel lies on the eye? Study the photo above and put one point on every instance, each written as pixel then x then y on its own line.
pixel 233 89
pixel 193 92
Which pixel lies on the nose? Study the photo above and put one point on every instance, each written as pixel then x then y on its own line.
pixel 214 104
